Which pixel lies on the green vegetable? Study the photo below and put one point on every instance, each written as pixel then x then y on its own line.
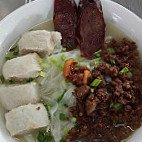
pixel 48 138
pixel 7 58
pixel 30 30
pixel 63 57
pixel 97 54
pixel 62 116
pixel 48 108
pixel 65 130
pixel 111 50
pixel 96 82
pixel 73 119
pixel 92 90
pixel 79 59
pixel 44 137
pixel 40 137
pixel 88 66
pixel 12 82
pixel 43 63
pixel 64 49
pixel 42 74
pixel 96 62
pixel 77 125
pixel 124 70
pixel 77 65
pixel 61 97
pixel 2 78
pixel 129 75
pixel 69 46
pixel 112 62
pixel 30 80
pixel 54 60
pixel 15 53
pixel 58 64
pixel 114 122
pixel 66 105
pixel 62 140
pixel 116 106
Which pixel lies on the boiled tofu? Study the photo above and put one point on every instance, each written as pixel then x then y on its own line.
pixel 41 41
pixel 13 96
pixel 22 68
pixel 25 119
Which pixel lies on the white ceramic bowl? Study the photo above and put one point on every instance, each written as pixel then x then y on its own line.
pixel 33 13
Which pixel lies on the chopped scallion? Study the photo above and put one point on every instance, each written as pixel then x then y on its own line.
pixel 77 125
pixel 123 70
pixel 62 116
pixel 96 62
pixel 64 49
pixel 42 74
pixel 12 82
pixel 40 137
pixel 63 57
pixel 66 105
pixel 69 46
pixel 7 58
pixel 97 54
pixel 30 80
pixel 62 140
pixel 48 138
pixel 114 121
pixel 62 95
pixel 2 78
pixel 88 66
pixel 111 50
pixel 15 53
pixel 92 90
pixel 112 62
pixel 54 60
pixel 96 82
pixel 48 108
pixel 41 61
pixel 44 137
pixel 58 64
pixel 73 119
pixel 116 106
pixel 79 59
pixel 77 65
pixel 65 130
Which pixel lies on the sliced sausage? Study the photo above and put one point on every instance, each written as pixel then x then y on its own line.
pixel 91 27
pixel 65 21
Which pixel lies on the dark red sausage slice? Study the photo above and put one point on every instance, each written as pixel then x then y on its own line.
pixel 65 21
pixel 91 27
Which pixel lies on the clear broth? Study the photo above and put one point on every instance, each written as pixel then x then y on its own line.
pixel 111 31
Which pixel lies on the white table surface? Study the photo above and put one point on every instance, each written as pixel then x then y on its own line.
pixel 7 6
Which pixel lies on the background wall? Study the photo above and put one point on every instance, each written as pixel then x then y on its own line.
pixel 7 6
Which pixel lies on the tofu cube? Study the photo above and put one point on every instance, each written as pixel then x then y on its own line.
pixel 25 119
pixel 22 68
pixel 13 96
pixel 41 41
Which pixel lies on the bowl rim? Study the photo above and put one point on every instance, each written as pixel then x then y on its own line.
pixel 36 1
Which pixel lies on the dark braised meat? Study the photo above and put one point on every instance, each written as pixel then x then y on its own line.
pixel 65 21
pixel 109 108
pixel 90 28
